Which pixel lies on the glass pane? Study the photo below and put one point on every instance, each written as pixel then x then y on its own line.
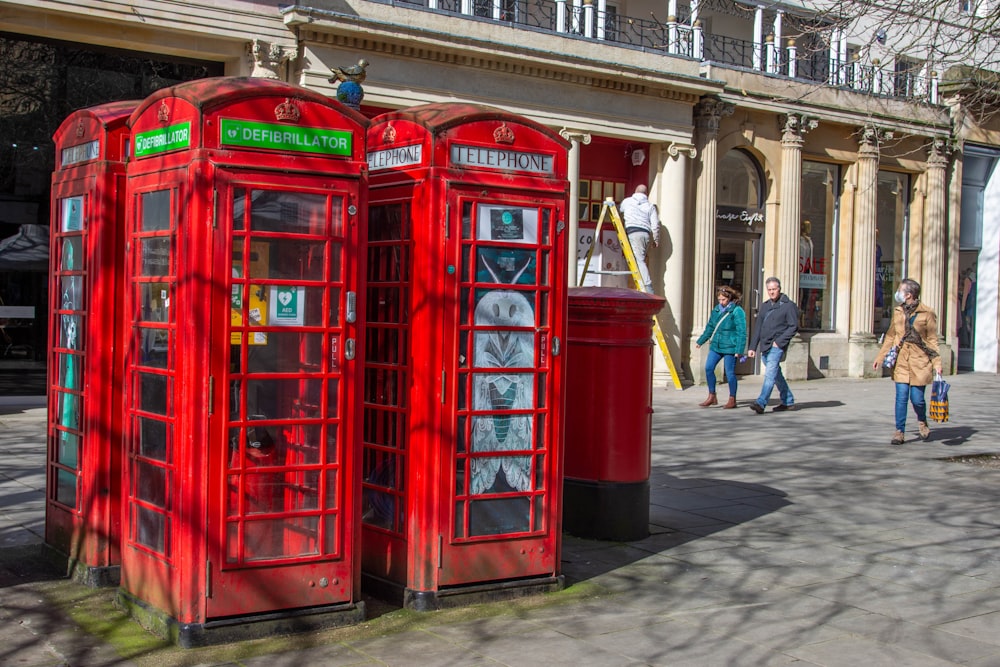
pixel 282 399
pixel 378 508
pixel 287 352
pixel 68 453
pixel 153 347
pixel 153 437
pixel 150 529
pixel 72 214
pixel 277 538
pixel 72 253
pixel 332 448
pixel 155 211
pixel 504 349
pixel 71 288
pixel 289 259
pixel 154 256
pixel 239 209
pixel 151 483
pixel 66 488
pixel 499 517
pixel 154 302
pixel 459 519
pixel 290 212
pixel 70 328
pixel 817 240
pixel 331 533
pixel 539 513
pixel 540 472
pixel 69 371
pixel 152 391
pixel 546 217
pixel 507 266
pixel 68 411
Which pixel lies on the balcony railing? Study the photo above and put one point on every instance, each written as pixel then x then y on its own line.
pixel 573 18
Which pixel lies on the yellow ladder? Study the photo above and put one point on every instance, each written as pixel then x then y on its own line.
pixel 610 210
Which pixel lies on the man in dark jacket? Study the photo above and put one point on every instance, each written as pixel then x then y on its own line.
pixel 777 322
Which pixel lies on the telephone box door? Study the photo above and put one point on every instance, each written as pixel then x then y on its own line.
pixel 505 495
pixel 281 498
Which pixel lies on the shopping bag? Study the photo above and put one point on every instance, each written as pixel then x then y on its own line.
pixel 890 357
pixel 939 400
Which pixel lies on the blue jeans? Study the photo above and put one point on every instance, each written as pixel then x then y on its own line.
pixel 773 376
pixel 729 363
pixel 915 395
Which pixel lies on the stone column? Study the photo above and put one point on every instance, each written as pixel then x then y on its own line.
pixel 935 239
pixel 670 194
pixel 863 345
pixel 786 257
pixel 575 138
pixel 918 206
pixel 708 115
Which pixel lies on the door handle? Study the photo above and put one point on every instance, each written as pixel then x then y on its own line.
pixel 349 349
pixel 351 310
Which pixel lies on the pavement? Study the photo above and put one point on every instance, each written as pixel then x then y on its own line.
pixel 792 538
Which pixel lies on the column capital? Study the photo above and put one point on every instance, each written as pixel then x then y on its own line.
pixel 794 127
pixel 575 135
pixel 675 149
pixel 708 113
pixel 870 138
pixel 938 152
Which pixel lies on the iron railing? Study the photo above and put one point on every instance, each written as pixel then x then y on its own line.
pixel 678 39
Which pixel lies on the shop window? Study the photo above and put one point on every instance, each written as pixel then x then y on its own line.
pixel 891 236
pixel 817 240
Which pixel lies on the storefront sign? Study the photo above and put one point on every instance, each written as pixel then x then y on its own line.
pixel 249 134
pixel 402 156
pixel 812 281
pixel 495 158
pixel 746 217
pixel 81 153
pixel 162 140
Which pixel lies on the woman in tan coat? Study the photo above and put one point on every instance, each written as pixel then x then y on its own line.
pixel 914 330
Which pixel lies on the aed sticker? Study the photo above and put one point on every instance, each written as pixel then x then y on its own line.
pixel 286 306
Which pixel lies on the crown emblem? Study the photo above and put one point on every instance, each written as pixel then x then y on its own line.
pixel 163 113
pixel 287 110
pixel 80 129
pixel 389 134
pixel 503 134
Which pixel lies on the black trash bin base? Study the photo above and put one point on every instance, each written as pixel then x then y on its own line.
pixel 617 511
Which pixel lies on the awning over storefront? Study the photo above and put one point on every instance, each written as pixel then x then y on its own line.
pixel 28 250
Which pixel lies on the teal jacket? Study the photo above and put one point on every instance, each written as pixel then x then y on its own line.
pixel 731 336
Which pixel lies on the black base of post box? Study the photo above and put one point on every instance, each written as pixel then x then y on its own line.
pixel 617 511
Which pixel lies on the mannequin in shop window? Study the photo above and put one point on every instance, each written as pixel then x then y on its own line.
pixel 807 295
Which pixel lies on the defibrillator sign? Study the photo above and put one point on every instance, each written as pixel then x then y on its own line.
pixel 250 134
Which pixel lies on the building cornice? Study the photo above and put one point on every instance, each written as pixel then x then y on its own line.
pixel 406 37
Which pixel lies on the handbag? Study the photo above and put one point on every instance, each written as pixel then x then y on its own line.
pixel 891 356
pixel 939 400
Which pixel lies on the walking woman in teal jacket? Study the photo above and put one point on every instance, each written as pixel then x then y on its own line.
pixel 727 327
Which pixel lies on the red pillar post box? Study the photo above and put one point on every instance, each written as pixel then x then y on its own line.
pixel 83 501
pixel 464 367
pixel 609 412
pixel 246 202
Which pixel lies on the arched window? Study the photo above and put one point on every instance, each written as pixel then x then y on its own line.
pixel 740 183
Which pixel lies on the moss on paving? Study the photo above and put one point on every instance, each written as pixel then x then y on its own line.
pixel 94 610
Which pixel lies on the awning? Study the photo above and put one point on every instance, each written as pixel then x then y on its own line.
pixel 28 250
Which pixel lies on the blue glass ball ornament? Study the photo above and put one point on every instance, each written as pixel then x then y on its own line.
pixel 350 93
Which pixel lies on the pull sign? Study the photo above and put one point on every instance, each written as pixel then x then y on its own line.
pixel 555 346
pixel 349 349
pixel 352 307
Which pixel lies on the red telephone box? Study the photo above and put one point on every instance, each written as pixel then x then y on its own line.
pixel 245 202
pixel 83 501
pixel 464 367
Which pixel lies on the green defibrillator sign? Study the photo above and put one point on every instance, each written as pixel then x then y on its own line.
pixel 251 134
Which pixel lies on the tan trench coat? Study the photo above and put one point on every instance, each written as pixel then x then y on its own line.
pixel 913 367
